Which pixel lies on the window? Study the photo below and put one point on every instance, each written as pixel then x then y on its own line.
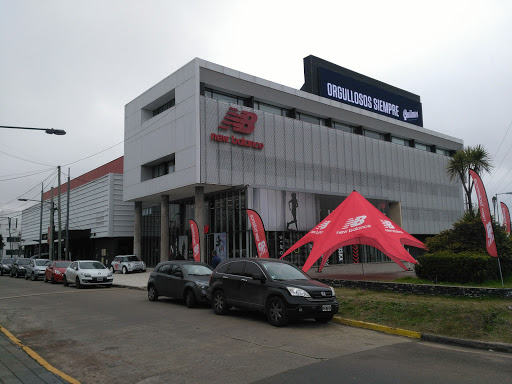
pixel 164 107
pixel 441 151
pixel 343 127
pixel 163 168
pixel 165 268
pixel 400 141
pixel 374 134
pixel 270 108
pixel 251 269
pixel 233 99
pixel 310 118
pixel 175 269
pixel 236 268
pixel 421 147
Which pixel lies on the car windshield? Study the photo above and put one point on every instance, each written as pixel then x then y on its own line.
pixel 132 258
pixel 23 261
pixel 91 265
pixel 280 271
pixel 62 264
pixel 42 262
pixel 197 270
pixel 7 261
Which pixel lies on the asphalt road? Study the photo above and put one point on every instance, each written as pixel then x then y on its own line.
pixel 115 335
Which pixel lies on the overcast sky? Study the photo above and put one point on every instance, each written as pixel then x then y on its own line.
pixel 73 65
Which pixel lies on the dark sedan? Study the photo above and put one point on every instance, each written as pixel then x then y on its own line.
pixel 6 265
pixel 180 279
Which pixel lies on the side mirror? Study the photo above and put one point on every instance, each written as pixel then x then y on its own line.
pixel 259 276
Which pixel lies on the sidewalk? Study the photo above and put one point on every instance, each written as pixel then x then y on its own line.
pixel 16 366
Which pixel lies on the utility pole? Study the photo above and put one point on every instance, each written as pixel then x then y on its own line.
pixel 50 242
pixel 41 221
pixel 67 222
pixel 59 252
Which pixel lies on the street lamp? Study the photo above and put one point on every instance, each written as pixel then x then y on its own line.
pixel 50 131
pixel 495 201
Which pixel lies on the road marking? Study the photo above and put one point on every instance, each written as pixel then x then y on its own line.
pixel 53 293
pixel 38 358
pixel 378 327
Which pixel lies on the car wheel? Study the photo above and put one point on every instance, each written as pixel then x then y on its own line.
pixel 276 312
pixel 26 276
pixel 219 303
pixel 33 277
pixel 125 271
pixel 324 319
pixel 152 293
pixel 77 283
pixel 190 299
pixel 1 272
pixel 65 281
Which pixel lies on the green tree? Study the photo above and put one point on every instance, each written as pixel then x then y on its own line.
pixel 476 158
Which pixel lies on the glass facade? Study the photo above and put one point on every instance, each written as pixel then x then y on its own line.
pixel 228 232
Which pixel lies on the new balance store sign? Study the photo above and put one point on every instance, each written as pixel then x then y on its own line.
pixel 240 122
pixel 350 91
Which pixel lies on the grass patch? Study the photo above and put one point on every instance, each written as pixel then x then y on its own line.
pixel 484 319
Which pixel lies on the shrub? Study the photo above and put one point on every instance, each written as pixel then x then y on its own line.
pixel 463 267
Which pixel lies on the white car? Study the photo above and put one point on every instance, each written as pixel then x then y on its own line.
pixel 87 272
pixel 127 263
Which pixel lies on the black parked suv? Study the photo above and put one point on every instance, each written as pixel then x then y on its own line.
pixel 277 288
pixel 180 279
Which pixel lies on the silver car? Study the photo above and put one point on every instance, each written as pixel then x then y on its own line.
pixel 87 272
pixel 127 263
pixel 36 268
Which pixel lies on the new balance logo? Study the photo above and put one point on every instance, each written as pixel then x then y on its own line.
pixel 354 222
pixel 323 225
pixel 242 122
pixel 387 224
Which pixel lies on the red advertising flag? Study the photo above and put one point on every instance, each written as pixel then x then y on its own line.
pixel 259 233
pixel 506 217
pixel 485 213
pixel 195 240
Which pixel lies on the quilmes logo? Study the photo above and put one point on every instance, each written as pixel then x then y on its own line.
pixel 242 122
pixel 319 229
pixel 411 115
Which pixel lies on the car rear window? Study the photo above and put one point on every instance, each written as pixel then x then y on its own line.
pixel 91 265
pixel 236 268
pixel 62 264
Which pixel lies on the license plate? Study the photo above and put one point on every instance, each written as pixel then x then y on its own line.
pixel 101 279
pixel 326 308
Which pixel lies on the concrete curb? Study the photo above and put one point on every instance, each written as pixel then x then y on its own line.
pixel 29 351
pixel 490 346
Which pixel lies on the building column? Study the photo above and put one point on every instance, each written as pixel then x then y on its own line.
pixel 199 216
pixel 164 228
pixel 137 230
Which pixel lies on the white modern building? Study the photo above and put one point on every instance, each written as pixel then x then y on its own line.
pixel 100 222
pixel 208 141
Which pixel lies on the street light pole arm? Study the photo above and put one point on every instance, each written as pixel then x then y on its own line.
pixel 50 131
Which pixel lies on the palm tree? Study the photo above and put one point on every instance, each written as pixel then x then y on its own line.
pixel 476 158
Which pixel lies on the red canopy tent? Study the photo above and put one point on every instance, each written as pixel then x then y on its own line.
pixel 357 221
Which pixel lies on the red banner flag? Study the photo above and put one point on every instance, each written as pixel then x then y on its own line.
pixel 506 217
pixel 485 213
pixel 259 233
pixel 195 240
